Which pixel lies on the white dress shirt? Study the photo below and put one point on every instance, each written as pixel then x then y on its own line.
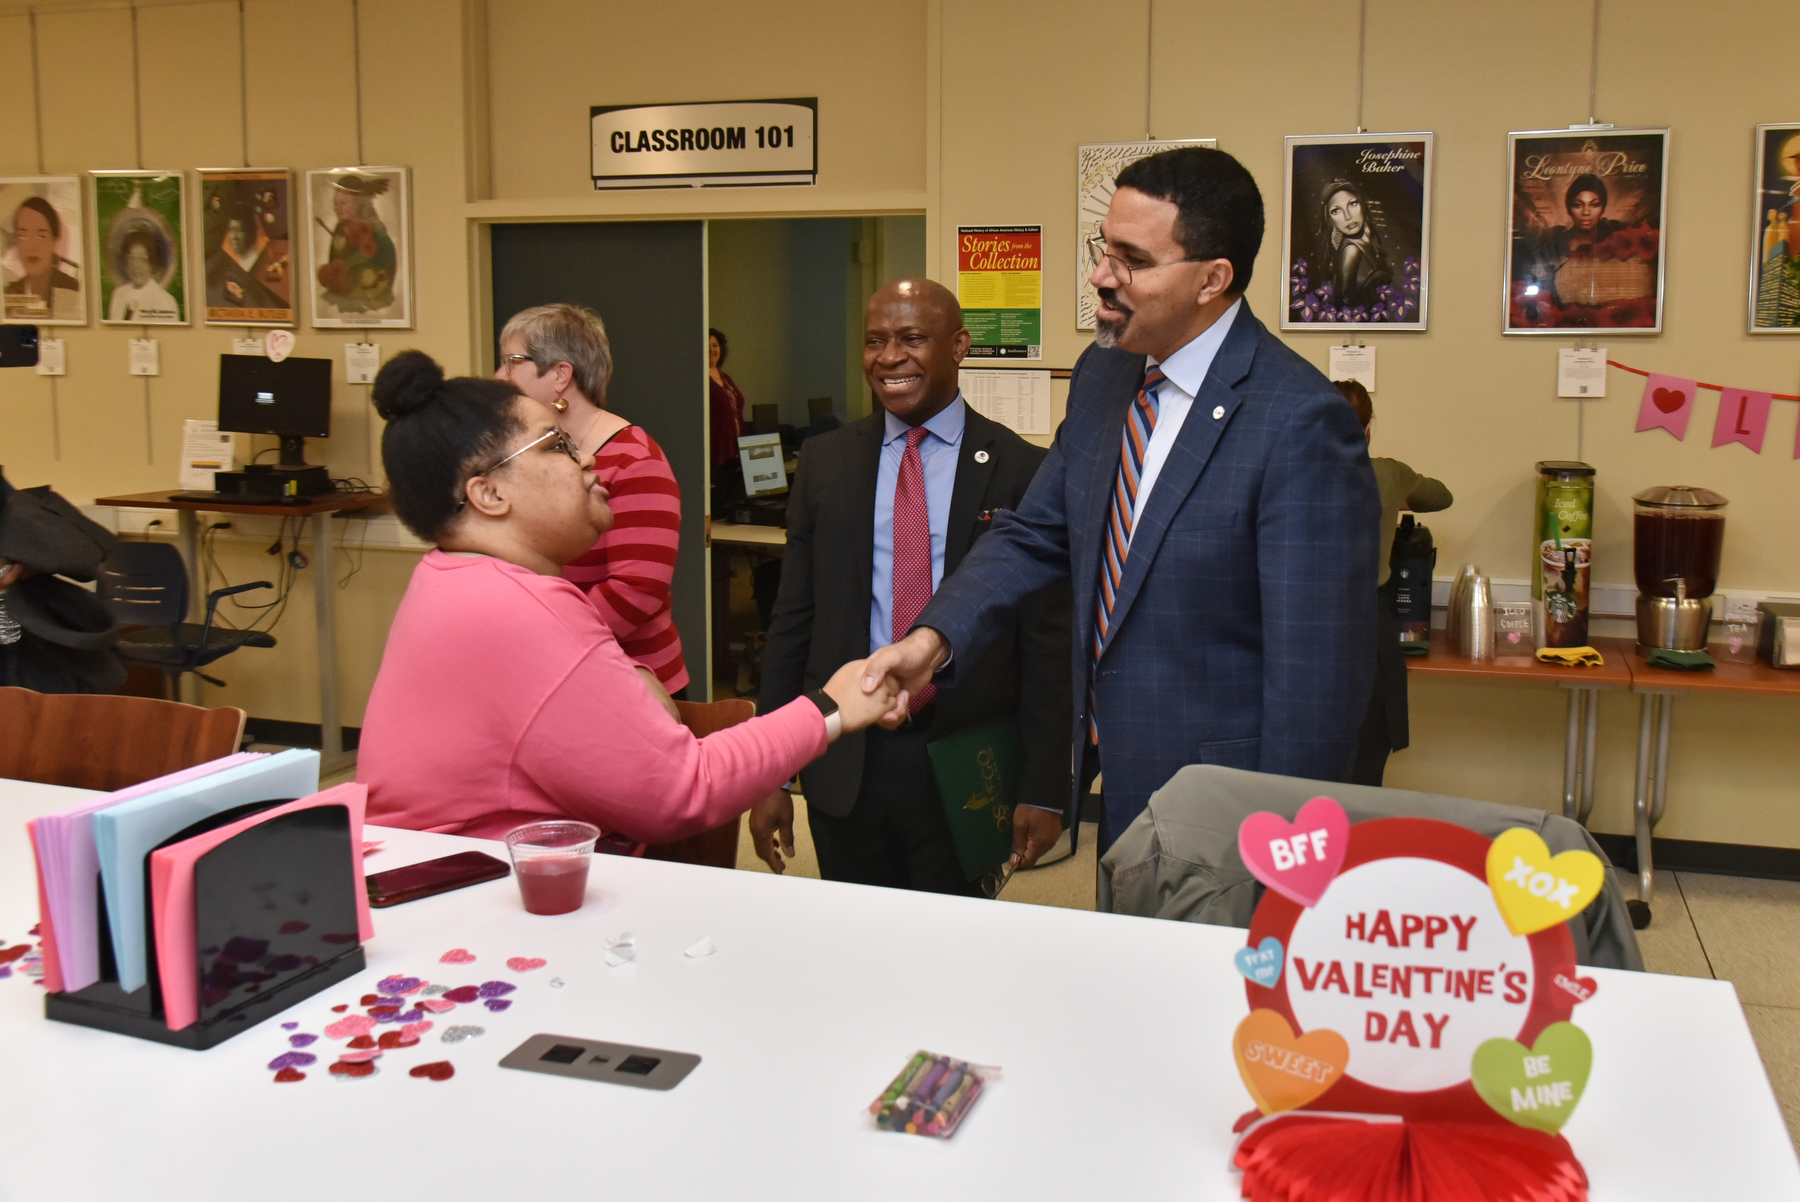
pixel 1186 371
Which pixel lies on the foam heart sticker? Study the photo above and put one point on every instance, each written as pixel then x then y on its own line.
pixel 496 1004
pixel 457 955
pixel 414 1030
pixel 1283 1070
pixel 1668 399
pixel 463 993
pixel 1296 859
pixel 362 1056
pixel 524 964
pixel 437 1070
pixel 350 1024
pixel 289 1074
pixel 338 1009
pixel 361 1041
pixel 289 1026
pixel 291 1060
pixel 436 1005
pixel 458 1034
pixel 1581 988
pixel 1536 890
pixel 1536 1088
pixel 395 1039
pixel 1261 964
pixel 497 988
pixel 398 984
pixel 300 1041
pixel 345 1071
pixel 370 999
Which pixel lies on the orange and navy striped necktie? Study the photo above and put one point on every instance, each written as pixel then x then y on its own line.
pixel 1140 423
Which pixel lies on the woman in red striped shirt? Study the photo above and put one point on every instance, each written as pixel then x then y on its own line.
pixel 559 355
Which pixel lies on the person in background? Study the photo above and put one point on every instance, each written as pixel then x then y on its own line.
pixel 55 636
pixel 726 401
pixel 559 355
pixel 503 697
pixel 880 512
pixel 1386 727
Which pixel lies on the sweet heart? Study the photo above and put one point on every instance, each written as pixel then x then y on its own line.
pixel 1668 399
pixel 290 1074
pixel 522 964
pixel 437 1070
pixel 1296 859
pixel 1536 1088
pixel 1582 988
pixel 1536 890
pixel 457 955
pixel 1261 965
pixel 1283 1070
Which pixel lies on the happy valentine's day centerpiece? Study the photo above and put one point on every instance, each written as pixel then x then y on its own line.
pixel 1410 986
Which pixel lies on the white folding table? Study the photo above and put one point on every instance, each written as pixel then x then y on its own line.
pixel 1114 1034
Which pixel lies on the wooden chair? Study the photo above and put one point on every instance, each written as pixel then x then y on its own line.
pixel 106 742
pixel 717 847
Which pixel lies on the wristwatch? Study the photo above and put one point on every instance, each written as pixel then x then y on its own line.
pixel 822 699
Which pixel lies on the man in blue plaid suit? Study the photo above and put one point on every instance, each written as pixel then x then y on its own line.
pixel 1210 496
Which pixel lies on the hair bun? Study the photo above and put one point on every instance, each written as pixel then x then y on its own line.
pixel 406 383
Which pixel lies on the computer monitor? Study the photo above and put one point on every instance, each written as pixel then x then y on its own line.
pixel 291 399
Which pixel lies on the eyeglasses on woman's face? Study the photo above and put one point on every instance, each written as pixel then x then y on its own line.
pixel 553 439
pixel 508 363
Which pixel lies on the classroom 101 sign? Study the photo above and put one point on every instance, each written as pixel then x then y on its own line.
pixel 1000 285
pixel 729 144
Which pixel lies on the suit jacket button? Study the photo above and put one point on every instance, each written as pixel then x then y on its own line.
pixel 982 456
pixel 1218 412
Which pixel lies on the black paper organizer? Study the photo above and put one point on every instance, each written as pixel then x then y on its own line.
pixel 275 923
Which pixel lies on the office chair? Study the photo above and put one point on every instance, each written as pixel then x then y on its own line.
pixel 145 585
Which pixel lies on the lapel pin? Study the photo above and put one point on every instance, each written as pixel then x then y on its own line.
pixel 1218 412
pixel 982 456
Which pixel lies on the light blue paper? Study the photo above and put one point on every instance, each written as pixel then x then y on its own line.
pixel 126 833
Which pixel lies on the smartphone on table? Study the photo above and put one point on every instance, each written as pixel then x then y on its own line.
pixel 398 885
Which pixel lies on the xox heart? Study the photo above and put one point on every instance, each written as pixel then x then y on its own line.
pixel 1668 399
pixel 1283 1070
pixel 1536 890
pixel 1297 859
pixel 1539 1087
pixel 1261 965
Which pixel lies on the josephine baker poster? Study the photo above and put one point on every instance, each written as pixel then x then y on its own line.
pixel 1356 244
pixel 1585 234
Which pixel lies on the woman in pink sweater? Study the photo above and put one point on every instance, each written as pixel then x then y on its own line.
pixel 503 698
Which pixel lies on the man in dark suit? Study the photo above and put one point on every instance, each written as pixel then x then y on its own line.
pixel 1209 494
pixel 880 512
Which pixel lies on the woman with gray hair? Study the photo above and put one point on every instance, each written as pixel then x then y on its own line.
pixel 559 355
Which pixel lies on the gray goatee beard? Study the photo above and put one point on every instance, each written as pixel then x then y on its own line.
pixel 1107 331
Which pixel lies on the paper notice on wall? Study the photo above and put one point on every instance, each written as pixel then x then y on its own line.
pixel 1354 363
pixel 144 359
pixel 1018 400
pixel 204 451
pixel 1580 374
pixel 361 361
pixel 247 346
pixel 50 358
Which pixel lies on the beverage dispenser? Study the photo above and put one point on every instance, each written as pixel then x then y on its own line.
pixel 1678 532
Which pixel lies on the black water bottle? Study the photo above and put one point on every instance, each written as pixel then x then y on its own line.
pixel 1409 584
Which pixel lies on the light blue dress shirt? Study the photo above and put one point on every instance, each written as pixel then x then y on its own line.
pixel 937 455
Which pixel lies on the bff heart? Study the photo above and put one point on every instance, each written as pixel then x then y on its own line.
pixel 1297 859
pixel 1261 965
pixel 1538 1087
pixel 1283 1070
pixel 1536 890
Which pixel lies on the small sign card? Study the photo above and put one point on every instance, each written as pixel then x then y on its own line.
pixel 51 361
pixel 1354 363
pixel 144 359
pixel 361 361
pixel 1580 374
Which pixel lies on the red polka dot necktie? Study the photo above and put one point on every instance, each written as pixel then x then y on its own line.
pixel 1140 423
pixel 912 548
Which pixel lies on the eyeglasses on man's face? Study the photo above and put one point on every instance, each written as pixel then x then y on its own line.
pixel 1120 261
pixel 558 440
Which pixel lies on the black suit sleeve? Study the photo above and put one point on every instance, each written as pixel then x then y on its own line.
pixel 1044 685
pixel 791 624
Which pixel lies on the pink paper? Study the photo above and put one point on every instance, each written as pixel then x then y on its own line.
pixel 46 929
pixel 1668 404
pixel 172 898
pixel 1743 417
pixel 69 874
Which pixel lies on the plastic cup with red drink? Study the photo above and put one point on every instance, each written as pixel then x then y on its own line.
pixel 551 860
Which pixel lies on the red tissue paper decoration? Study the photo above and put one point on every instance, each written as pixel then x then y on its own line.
pixel 1298 1156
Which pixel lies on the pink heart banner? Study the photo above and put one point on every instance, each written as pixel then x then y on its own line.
pixel 1668 404
pixel 1743 417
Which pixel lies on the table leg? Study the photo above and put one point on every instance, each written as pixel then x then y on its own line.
pixel 1666 710
pixel 1572 755
pixel 331 733
pixel 1648 705
pixel 187 521
pixel 1588 758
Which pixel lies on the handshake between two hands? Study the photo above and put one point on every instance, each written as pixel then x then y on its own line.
pixel 876 691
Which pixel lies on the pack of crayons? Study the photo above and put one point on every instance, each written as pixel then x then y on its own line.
pixel 930 1096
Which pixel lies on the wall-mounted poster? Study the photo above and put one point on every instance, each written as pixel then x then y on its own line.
pixel 1355 248
pixel 1097 165
pixel 359 235
pixel 1000 285
pixel 1775 238
pixel 1585 231
pixel 248 250
pixel 142 247
pixel 42 265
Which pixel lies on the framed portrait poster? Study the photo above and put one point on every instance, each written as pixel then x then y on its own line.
pixel 1584 234
pixel 142 247
pixel 1356 241
pixel 1097 165
pixel 1775 232
pixel 359 239
pixel 247 248
pixel 42 268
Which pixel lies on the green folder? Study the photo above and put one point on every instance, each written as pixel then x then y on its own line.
pixel 978 777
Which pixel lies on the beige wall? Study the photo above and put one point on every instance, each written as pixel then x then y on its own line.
pixel 969 111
